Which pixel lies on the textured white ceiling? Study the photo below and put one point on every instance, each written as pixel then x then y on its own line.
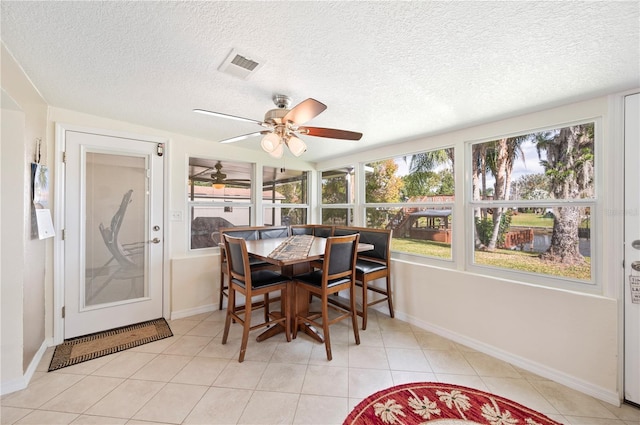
pixel 391 70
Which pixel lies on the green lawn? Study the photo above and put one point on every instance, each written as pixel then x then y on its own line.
pixel 503 258
pixel 531 220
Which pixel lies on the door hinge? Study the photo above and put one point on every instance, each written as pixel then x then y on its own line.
pixel 64 157
pixel 63 235
pixel 160 149
pixel 63 312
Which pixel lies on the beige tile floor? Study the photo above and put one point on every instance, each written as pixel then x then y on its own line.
pixel 192 378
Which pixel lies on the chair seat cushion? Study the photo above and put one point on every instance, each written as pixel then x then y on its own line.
pixel 366 266
pixel 262 278
pixel 315 279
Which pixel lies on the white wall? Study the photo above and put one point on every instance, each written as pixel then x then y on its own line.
pixel 32 257
pixel 11 242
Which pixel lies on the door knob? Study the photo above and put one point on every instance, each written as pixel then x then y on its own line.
pixel 636 266
pixel 635 244
pixel 155 240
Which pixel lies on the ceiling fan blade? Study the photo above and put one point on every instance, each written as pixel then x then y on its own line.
pixel 304 111
pixel 244 136
pixel 233 117
pixel 330 133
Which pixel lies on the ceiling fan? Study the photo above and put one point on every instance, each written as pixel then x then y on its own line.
pixel 218 179
pixel 282 126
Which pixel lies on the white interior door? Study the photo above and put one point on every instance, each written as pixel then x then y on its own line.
pixel 632 250
pixel 113 246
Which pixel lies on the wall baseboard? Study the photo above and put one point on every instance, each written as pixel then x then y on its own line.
pixel 611 397
pixel 21 383
pixel 180 314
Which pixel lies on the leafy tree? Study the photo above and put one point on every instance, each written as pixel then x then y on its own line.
pixel 335 191
pixel 531 187
pixel 569 166
pixel 382 186
pixel 424 180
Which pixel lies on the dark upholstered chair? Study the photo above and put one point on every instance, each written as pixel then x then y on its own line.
pixel 249 234
pixel 251 283
pixel 320 230
pixel 337 274
pixel 271 232
pixel 372 265
pixel 302 229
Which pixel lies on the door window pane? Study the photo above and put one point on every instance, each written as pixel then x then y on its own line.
pixel 116 209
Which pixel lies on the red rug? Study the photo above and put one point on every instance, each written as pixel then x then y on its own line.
pixel 442 404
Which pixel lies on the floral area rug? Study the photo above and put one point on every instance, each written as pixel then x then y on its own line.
pixel 441 404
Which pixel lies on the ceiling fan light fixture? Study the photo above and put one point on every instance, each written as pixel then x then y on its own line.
pixel 296 146
pixel 270 142
pixel 218 185
pixel 278 151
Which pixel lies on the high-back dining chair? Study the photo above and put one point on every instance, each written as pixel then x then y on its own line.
pixel 270 232
pixel 301 229
pixel 371 265
pixel 337 274
pixel 251 283
pixel 250 234
pixel 320 230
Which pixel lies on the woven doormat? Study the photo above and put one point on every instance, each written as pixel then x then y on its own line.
pixel 77 350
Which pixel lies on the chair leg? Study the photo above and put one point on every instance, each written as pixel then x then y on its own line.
pixel 389 296
pixel 294 332
pixel 266 307
pixel 365 303
pixel 230 307
pixel 286 310
pixel 222 288
pixel 325 325
pixel 354 314
pixel 245 331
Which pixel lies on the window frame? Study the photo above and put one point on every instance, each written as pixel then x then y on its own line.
pixel 593 285
pixel 348 205
pixel 251 204
pixel 263 205
pixel 362 206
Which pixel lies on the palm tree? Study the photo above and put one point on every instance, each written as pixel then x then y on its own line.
pixel 498 157
pixel 569 166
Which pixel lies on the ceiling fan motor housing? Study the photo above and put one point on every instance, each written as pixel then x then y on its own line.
pixel 275 115
pixel 282 101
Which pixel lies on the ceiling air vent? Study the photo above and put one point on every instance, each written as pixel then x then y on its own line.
pixel 241 65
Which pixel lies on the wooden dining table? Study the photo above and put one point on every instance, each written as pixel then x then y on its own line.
pixel 262 248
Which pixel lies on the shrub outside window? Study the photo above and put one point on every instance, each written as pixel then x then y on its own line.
pixel 413 195
pixel 532 197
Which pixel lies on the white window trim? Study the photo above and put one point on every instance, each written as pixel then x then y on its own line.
pixel 594 285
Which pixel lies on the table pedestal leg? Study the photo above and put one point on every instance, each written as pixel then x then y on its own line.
pixel 302 302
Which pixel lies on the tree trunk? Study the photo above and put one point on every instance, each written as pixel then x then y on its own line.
pixel 565 246
pixel 498 193
pixel 475 185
